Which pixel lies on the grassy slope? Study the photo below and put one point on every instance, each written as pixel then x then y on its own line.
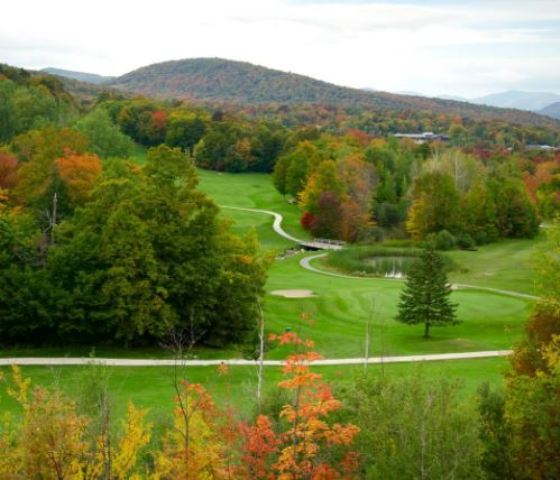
pixel 253 190
pixel 152 387
pixel 505 265
pixel 341 308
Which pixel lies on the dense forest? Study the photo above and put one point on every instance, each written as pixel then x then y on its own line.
pixel 66 177
pixel 216 79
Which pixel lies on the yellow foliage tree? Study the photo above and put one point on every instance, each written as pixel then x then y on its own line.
pixel 50 440
pixel 193 449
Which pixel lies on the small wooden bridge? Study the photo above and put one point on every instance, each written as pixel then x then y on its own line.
pixel 322 244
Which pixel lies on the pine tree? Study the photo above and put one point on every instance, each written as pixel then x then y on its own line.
pixel 425 297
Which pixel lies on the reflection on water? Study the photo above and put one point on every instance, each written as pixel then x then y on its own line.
pixel 390 267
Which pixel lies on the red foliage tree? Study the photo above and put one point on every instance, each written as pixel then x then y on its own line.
pixel 8 170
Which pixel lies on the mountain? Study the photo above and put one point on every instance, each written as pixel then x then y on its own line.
pixel 552 110
pixel 533 101
pixel 453 97
pixel 215 79
pixel 81 76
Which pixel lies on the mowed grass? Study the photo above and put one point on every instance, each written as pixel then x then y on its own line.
pixel 341 308
pixel 153 387
pixel 253 190
pixel 506 265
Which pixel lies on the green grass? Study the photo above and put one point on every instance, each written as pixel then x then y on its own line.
pixel 504 265
pixel 152 387
pixel 341 307
pixel 253 190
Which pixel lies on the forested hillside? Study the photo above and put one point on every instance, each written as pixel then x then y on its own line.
pixel 225 80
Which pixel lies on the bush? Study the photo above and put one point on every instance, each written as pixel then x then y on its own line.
pixel 372 235
pixel 466 242
pixel 443 240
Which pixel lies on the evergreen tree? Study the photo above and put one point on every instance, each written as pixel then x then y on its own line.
pixel 425 297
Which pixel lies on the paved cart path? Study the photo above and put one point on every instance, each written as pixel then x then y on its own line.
pixel 127 362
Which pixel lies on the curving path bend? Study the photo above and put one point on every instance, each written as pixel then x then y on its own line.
pixel 276 226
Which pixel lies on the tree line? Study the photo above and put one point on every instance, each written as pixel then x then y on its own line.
pixel 359 188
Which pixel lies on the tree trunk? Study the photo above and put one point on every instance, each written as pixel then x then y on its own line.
pixel 260 367
pixel 427 330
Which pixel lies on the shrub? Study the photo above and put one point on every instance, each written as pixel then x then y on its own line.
pixel 466 242
pixel 443 240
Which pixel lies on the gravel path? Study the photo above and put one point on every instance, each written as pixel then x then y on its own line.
pixel 126 362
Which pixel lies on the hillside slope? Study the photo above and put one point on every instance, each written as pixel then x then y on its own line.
pixel 81 76
pixel 216 79
pixel 552 110
pixel 533 101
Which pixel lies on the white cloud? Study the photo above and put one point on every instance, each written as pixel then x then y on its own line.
pixel 429 47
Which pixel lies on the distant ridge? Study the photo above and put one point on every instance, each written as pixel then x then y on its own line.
pixel 552 110
pixel 215 79
pixel 533 101
pixel 81 76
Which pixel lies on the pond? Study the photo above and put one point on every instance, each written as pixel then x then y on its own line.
pixel 390 267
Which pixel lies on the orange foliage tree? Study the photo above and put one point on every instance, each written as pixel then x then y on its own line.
pixel 311 448
pixel 79 172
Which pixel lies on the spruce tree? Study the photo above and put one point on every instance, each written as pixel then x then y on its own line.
pixel 425 297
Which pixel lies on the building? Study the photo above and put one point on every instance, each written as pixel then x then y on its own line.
pixel 423 137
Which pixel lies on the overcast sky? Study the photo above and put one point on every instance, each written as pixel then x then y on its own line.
pixel 467 48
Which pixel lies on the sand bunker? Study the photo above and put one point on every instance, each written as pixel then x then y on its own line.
pixel 293 293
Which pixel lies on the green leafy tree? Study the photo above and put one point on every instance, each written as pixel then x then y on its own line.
pixel 516 216
pixel 184 131
pixel 435 205
pixel 479 213
pixel 106 139
pixel 147 254
pixel 413 428
pixel 425 296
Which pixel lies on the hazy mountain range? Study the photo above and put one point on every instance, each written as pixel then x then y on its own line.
pixel 539 102
pixel 216 79
pixel 81 76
